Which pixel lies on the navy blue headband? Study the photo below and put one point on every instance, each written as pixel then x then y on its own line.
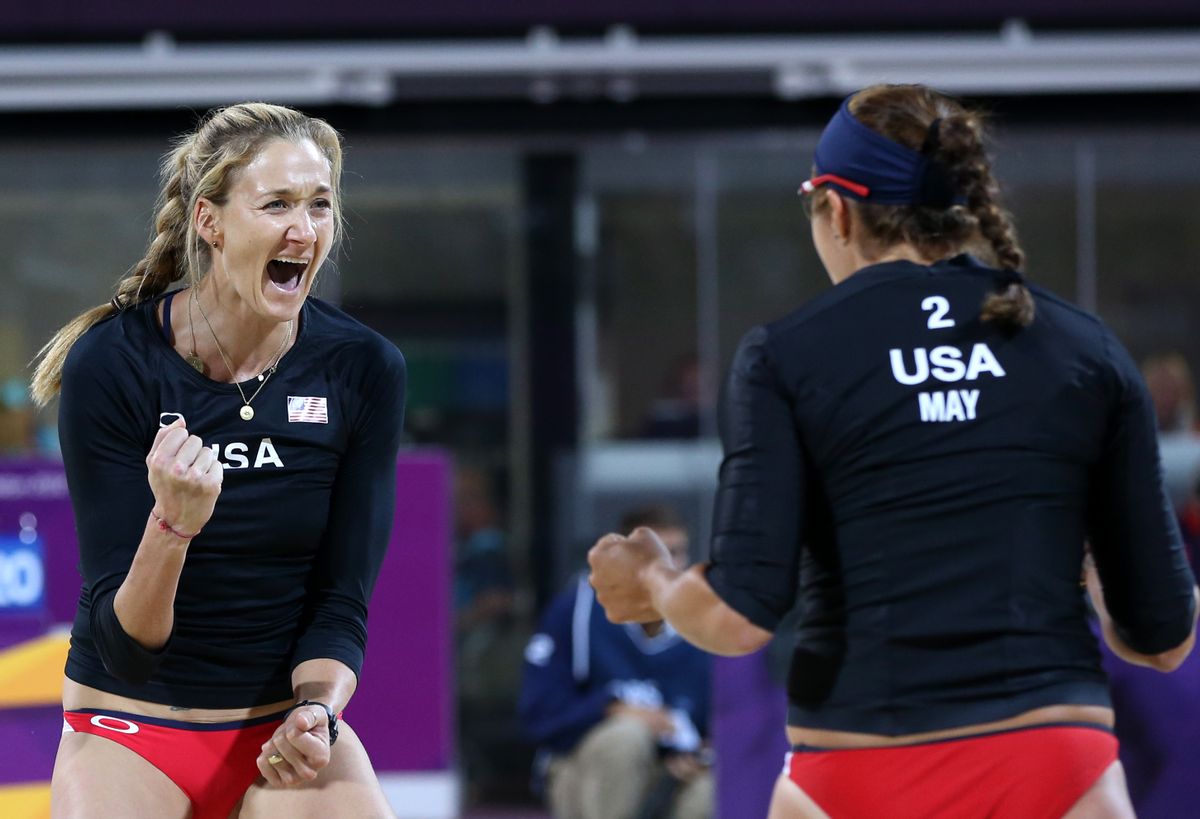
pixel 869 167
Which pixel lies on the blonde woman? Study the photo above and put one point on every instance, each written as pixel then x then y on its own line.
pixel 230 450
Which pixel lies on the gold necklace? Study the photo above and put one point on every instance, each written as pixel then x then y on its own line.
pixel 247 411
pixel 196 361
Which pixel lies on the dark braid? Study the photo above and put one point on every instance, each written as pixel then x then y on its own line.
pixel 962 153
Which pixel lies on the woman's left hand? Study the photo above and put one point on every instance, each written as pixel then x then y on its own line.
pixel 303 743
pixel 618 564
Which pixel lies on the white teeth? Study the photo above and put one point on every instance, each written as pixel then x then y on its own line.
pixel 290 261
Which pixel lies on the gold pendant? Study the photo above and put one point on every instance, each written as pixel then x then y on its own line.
pixel 196 362
pixel 247 412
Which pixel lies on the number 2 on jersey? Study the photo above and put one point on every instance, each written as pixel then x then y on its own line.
pixel 938 307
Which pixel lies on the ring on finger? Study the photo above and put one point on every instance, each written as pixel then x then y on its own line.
pixel 275 759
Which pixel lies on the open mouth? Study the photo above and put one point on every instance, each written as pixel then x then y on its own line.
pixel 286 273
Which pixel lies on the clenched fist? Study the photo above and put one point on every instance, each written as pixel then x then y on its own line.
pixel 185 477
pixel 299 747
pixel 617 564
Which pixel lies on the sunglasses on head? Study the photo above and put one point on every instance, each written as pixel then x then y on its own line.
pixel 809 186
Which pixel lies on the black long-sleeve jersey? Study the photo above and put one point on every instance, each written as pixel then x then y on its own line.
pixel 284 569
pixel 924 483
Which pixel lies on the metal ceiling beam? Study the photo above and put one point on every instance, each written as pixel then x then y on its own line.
pixel 620 66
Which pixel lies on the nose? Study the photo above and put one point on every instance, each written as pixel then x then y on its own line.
pixel 302 230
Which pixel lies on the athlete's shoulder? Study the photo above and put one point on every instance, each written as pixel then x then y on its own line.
pixel 819 307
pixel 1062 309
pixel 116 347
pixel 847 304
pixel 1079 332
pixel 348 342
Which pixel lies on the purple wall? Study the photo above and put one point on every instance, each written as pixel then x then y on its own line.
pixel 35 731
pixel 403 709
pixel 1158 725
pixel 749 719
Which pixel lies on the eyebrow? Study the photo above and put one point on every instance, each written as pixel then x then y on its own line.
pixel 292 193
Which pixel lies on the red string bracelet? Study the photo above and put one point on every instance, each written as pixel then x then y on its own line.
pixel 163 526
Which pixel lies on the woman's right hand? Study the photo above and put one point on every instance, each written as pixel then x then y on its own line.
pixel 185 477
pixel 617 563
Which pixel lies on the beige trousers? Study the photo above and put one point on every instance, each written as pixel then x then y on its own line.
pixel 612 771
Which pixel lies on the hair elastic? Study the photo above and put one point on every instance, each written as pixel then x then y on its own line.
pixel 1008 277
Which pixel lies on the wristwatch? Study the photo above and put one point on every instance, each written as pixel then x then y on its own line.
pixel 333 718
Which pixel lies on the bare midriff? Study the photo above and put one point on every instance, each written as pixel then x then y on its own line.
pixel 1047 715
pixel 77 697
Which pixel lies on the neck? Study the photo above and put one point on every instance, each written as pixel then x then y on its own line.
pixel 249 343
pixel 902 252
pixel 905 253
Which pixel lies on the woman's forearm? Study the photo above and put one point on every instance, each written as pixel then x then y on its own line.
pixel 1165 661
pixel 689 604
pixel 145 602
pixel 324 680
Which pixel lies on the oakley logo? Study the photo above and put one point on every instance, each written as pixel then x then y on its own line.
pixel 123 726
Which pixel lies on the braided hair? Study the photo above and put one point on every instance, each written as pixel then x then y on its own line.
pixel 906 114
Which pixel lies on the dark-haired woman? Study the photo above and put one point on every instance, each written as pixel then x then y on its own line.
pixel 919 455
pixel 230 450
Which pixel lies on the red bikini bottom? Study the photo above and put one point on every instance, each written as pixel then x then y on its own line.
pixel 1027 773
pixel 212 763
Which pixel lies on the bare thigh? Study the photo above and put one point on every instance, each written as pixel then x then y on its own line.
pixel 347 787
pixel 788 801
pixel 95 778
pixel 1108 798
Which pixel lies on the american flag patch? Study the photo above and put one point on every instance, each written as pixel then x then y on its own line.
pixel 307 409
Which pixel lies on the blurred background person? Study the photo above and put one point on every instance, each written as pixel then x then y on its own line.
pixel 676 411
pixel 18 424
pixel 619 712
pixel 483 581
pixel 1172 389
pixel 488 640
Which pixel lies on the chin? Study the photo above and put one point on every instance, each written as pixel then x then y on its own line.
pixel 281 309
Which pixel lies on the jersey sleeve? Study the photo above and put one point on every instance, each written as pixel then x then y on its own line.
pixel 102 424
pixel 1132 526
pixel 556 709
pixel 759 509
pixel 360 518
